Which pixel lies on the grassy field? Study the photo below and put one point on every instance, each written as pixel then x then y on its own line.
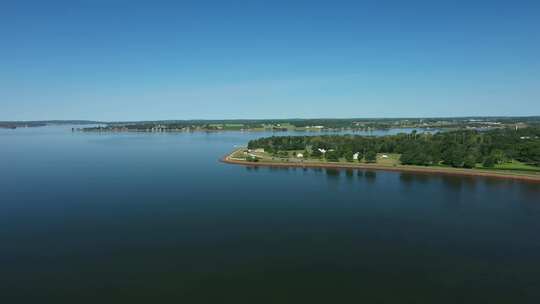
pixel 392 160
pixel 516 165
pixel 513 165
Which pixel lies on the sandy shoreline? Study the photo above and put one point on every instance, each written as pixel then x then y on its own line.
pixel 412 169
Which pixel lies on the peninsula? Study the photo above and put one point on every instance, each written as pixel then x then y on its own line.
pixel 502 153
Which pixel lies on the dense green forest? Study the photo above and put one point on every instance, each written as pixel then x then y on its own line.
pixel 463 148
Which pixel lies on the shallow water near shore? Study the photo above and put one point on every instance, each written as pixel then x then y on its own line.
pixel 129 216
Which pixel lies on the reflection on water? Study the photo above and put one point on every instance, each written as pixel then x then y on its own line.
pixel 277 169
pixel 499 182
pixel 408 177
pixel 252 168
pixel 453 182
pixel 349 175
pixel 529 189
pixel 333 173
pixel 370 175
pixel 317 170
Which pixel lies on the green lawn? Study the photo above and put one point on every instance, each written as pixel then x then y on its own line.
pixel 516 166
pixel 391 160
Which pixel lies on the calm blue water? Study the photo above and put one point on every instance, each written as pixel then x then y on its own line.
pixel 156 218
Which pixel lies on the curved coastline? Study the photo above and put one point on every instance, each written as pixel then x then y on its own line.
pixel 410 169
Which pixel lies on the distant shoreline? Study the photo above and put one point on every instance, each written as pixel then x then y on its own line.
pixel 400 168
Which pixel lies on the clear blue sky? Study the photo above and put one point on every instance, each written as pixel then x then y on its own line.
pixel 138 60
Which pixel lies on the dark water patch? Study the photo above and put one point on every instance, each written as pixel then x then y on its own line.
pixel 370 175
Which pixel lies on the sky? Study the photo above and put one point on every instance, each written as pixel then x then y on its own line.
pixel 149 60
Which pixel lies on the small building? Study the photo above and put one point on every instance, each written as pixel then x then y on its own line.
pixel 384 156
pixel 355 155
pixel 322 150
pixel 300 155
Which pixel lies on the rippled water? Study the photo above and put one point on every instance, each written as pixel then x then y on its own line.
pixel 155 218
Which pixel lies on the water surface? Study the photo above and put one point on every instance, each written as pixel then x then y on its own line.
pixel 140 216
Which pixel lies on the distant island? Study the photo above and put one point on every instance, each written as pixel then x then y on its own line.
pixel 316 125
pixel 42 123
pixel 502 152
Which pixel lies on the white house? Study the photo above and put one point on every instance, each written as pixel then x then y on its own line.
pixel 384 156
pixel 300 155
pixel 322 150
pixel 355 155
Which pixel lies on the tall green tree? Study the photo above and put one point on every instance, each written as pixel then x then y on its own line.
pixel 349 156
pixel 371 156
pixel 332 156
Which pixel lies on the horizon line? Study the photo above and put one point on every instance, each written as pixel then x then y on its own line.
pixel 268 119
